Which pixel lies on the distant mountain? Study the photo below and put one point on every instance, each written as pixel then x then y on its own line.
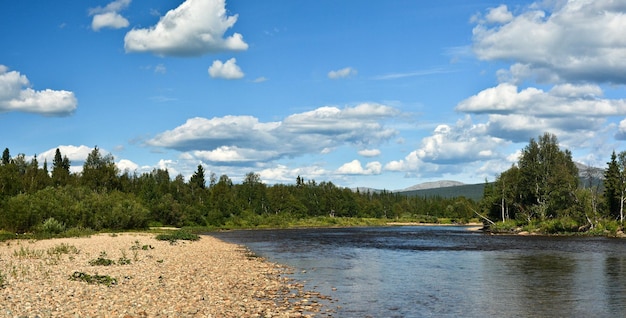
pixel 432 185
pixel 451 189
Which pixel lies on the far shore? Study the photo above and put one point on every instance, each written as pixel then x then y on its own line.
pixel 472 226
pixel 147 278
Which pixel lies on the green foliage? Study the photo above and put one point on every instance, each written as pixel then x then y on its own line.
pixel 560 226
pixel 508 226
pixel 94 279
pixel 52 226
pixel 102 260
pixel 5 236
pixel 177 235
pixel 27 253
pixel 63 248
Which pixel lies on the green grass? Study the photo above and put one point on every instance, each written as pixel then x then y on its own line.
pixel 27 253
pixel 94 279
pixel 63 248
pixel 173 237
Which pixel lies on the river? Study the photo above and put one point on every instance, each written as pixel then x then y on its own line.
pixel 430 271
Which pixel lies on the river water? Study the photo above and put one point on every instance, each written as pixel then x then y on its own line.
pixel 422 271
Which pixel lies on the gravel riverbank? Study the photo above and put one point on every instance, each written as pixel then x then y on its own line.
pixel 147 278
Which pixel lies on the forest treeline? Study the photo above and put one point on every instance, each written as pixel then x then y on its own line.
pixel 542 192
pixel 545 192
pixel 37 196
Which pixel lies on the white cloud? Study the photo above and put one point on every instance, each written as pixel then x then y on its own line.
pixel 244 139
pixel 572 112
pixel 227 70
pixel 16 95
pixel 369 152
pixel 562 100
pixel 283 174
pixel 194 28
pixel 621 130
pixel 109 17
pixel 571 41
pixel 342 73
pixel 354 167
pixel 260 80
pixel 75 154
pixel 127 165
pixel 455 145
pixel 500 15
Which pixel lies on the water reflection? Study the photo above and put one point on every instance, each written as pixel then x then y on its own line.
pixel 450 272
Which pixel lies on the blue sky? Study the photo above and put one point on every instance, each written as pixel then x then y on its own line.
pixel 383 94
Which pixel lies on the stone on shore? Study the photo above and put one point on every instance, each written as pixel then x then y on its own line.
pixel 147 278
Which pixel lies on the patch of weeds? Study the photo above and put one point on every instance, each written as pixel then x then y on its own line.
pixel 27 253
pixel 160 261
pixel 177 235
pixel 94 279
pixel 5 236
pixel 123 260
pixel 63 248
pixel 78 232
pixel 102 260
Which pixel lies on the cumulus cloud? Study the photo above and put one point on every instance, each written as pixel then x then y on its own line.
pixel 354 167
pixel 17 95
pixel 369 152
pixel 621 130
pixel 226 70
pixel 244 139
pixel 500 15
pixel 573 41
pixel 194 28
pixel 450 145
pixel 127 165
pixel 561 101
pixel 109 17
pixel 342 73
pixel 567 110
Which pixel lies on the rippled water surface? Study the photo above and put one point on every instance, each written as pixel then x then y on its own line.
pixel 418 271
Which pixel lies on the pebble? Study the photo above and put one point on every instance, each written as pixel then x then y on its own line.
pixel 205 278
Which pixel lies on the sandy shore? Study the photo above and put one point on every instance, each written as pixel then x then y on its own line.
pixel 205 278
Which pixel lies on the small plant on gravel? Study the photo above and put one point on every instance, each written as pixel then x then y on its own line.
pixel 63 248
pixel 123 260
pixel 27 253
pixel 178 235
pixel 94 279
pixel 102 260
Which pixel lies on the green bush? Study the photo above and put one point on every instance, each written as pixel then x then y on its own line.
pixel 94 279
pixel 52 226
pixel 560 225
pixel 178 235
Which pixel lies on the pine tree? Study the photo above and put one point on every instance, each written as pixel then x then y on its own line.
pixel 612 182
pixel 6 157
pixel 60 169
pixel 197 179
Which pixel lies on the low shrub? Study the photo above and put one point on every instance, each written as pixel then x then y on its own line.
pixel 52 226
pixel 63 248
pixel 178 235
pixel 94 279
pixel 102 260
